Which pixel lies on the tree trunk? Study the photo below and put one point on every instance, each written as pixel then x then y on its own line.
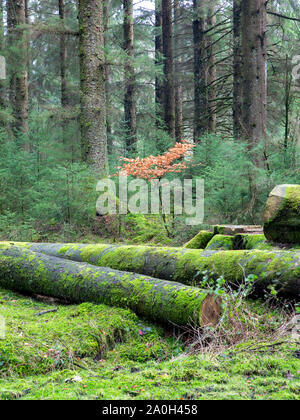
pixel 200 94
pixel 237 70
pixel 3 102
pixel 254 71
pixel 10 44
pixel 280 269
pixel 211 72
pixel 158 63
pixel 129 99
pixel 178 81
pixel 106 9
pixel 169 91
pixel 19 75
pixel 92 77
pixel 158 300
pixel 63 57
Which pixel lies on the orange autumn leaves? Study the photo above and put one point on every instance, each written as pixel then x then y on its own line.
pixel 156 167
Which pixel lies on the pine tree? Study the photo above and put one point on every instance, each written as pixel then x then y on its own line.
pixel 169 91
pixel 92 76
pixel 129 99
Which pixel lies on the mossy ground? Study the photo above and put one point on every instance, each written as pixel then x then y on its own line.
pixel 92 351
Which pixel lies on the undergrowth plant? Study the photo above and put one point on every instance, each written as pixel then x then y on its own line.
pixel 243 320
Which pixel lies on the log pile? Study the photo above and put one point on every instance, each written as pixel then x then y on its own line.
pixel 30 272
pixel 273 268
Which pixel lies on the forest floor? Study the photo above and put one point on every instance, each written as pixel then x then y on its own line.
pixel 92 352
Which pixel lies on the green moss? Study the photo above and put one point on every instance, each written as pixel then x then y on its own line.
pixel 92 352
pixel 252 241
pixel 58 340
pixel 26 271
pixel 199 241
pixel 282 220
pixel 224 242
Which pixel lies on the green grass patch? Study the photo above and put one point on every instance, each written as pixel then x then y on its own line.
pixel 92 351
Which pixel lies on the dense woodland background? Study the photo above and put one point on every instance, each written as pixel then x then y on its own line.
pixel 91 81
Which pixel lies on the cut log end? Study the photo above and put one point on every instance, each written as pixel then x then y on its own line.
pixel 211 311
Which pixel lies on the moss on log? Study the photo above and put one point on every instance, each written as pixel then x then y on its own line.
pixel 258 241
pixel 200 240
pixel 282 215
pixel 280 269
pixel 30 272
pixel 221 242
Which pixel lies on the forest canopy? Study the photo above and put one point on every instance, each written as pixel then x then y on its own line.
pixel 89 82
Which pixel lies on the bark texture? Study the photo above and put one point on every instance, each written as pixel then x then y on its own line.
pixel 19 76
pixel 280 269
pixel 237 70
pixel 130 86
pixel 211 71
pixel 178 76
pixel 254 70
pixel 106 17
pixel 92 77
pixel 200 82
pixel 29 272
pixel 2 48
pixel 158 63
pixel 63 57
pixel 169 90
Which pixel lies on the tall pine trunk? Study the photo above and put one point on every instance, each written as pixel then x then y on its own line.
pixel 106 9
pixel 2 49
pixel 63 57
pixel 178 80
pixel 237 70
pixel 129 98
pixel 158 63
pixel 92 78
pixel 200 94
pixel 254 70
pixel 211 71
pixel 19 75
pixel 169 91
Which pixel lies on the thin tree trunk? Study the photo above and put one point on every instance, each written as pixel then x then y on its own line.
pixel 92 76
pixel 19 77
pixel 254 70
pixel 129 99
pixel 200 83
pixel 10 44
pixel 63 57
pixel 158 63
pixel 2 48
pixel 211 72
pixel 288 85
pixel 106 8
pixel 178 81
pixel 169 91
pixel 237 70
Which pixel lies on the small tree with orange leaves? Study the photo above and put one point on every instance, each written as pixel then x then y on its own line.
pixel 156 167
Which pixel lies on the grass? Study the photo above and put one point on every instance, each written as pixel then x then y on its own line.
pixel 96 352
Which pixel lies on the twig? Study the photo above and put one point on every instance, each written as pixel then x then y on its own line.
pixel 46 312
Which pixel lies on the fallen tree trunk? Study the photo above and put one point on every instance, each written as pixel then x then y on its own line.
pixel 30 272
pixel 279 269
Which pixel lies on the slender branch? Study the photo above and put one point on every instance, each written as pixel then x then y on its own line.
pixel 283 16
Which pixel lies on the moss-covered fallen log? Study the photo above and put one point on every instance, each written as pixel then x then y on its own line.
pixel 279 269
pixel 30 272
